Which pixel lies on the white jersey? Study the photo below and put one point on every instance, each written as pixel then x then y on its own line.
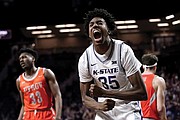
pixel 109 71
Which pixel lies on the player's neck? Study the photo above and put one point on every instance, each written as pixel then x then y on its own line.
pixel 31 71
pixel 101 49
pixel 148 72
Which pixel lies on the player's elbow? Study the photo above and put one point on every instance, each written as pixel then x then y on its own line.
pixel 84 101
pixel 143 95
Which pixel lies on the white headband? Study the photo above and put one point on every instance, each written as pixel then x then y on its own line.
pixel 145 66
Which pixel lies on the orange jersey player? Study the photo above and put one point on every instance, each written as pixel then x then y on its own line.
pixel 37 87
pixel 153 108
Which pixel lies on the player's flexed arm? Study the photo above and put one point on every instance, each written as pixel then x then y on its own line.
pixel 91 102
pixel 85 81
pixel 53 84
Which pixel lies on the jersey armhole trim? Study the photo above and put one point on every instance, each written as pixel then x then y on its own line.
pixel 120 57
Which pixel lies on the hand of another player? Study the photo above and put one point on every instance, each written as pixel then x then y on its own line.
pixel 95 91
pixel 107 105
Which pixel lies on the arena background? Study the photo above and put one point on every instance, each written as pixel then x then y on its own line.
pixel 60 51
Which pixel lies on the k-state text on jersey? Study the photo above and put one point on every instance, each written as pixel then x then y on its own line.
pixel 105 71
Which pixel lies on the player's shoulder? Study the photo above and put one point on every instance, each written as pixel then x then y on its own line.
pixel 124 46
pixel 118 41
pixel 90 47
pixel 159 79
pixel 18 79
pixel 46 69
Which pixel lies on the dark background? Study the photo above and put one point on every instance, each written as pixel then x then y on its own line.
pixel 16 14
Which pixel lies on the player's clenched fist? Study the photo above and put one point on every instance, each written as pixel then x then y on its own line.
pixel 95 91
pixel 107 105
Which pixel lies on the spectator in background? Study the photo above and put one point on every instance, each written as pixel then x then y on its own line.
pixel 153 108
pixel 37 87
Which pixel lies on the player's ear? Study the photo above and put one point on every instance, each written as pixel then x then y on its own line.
pixel 155 67
pixel 144 67
pixel 33 59
pixel 109 32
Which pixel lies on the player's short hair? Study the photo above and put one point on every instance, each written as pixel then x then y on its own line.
pixel 149 59
pixel 99 12
pixel 30 51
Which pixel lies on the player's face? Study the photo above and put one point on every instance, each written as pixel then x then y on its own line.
pixel 98 30
pixel 26 60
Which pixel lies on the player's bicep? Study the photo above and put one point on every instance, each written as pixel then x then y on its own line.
pixel 84 88
pixel 54 88
pixel 161 93
pixel 51 80
pixel 18 87
pixel 129 61
pixel 136 80
pixel 18 84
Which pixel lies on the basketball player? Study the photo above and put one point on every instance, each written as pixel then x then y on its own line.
pixel 37 87
pixel 113 68
pixel 153 108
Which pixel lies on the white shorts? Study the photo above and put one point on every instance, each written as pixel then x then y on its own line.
pixel 123 112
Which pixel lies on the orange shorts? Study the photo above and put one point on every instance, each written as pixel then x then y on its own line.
pixel 39 115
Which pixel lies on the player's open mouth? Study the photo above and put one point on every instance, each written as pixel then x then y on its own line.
pixel 97 35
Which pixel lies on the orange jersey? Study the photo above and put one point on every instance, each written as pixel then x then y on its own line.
pixel 36 92
pixel 149 107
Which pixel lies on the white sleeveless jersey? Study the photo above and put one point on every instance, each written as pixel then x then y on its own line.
pixel 112 72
